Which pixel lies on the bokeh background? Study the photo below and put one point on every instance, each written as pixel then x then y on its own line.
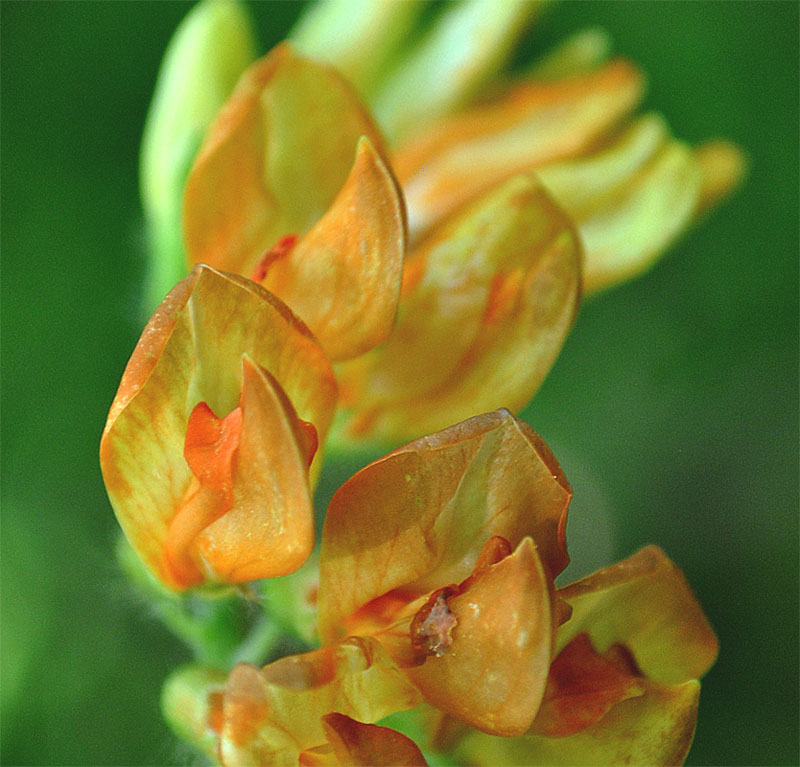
pixel 673 407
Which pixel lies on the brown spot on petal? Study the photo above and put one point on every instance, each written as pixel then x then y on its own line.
pixel 431 629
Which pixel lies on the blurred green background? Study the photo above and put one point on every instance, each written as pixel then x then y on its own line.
pixel 673 408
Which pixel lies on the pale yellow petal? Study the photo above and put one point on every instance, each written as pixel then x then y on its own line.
pixel 723 166
pixel 630 200
pixel 645 604
pixel 359 37
pixel 466 45
pixel 273 714
pixel 653 729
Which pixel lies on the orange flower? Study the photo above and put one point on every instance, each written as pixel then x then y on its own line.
pixel 623 686
pixel 208 442
pixel 437 585
pixel 278 161
pixel 486 304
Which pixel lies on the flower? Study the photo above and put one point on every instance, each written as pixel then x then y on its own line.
pixel 276 163
pixel 437 587
pixel 629 186
pixel 207 446
pixel 486 304
pixel 486 301
pixel 488 173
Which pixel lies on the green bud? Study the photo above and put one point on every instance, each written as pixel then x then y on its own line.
pixel 580 53
pixel 466 46
pixel 210 49
pixel 188 702
pixel 358 37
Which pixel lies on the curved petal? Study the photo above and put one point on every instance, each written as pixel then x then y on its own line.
pixel 418 518
pixel 232 316
pixel 486 305
pixel 273 160
pixel 273 714
pixel 535 123
pixel 358 37
pixel 343 278
pixel 269 530
pixel 493 673
pixel 467 44
pixel 368 745
pixel 653 729
pixel 629 200
pixel 578 54
pixel 190 352
pixel 645 604
pixel 583 686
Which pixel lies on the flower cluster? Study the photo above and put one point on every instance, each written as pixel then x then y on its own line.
pixel 347 289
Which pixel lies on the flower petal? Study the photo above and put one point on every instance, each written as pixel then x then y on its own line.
pixel 629 200
pixel 343 278
pixel 368 745
pixel 191 351
pixel 468 43
pixel 535 123
pixel 273 161
pixel 577 54
pixel 723 166
pixel 272 714
pixel 232 316
pixel 358 37
pixel 486 305
pixel 653 729
pixel 494 672
pixel 645 604
pixel 583 686
pixel 418 518
pixel 190 701
pixel 269 531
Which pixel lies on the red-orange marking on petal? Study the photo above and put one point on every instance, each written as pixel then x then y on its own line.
pixel 503 292
pixel 210 446
pixel 215 715
pixel 308 438
pixel 584 685
pixel 282 248
pixel 356 743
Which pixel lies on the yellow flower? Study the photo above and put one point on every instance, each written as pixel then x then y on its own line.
pixel 437 587
pixel 208 442
pixel 630 188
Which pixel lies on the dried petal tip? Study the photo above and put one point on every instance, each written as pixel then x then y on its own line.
pixel 432 627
